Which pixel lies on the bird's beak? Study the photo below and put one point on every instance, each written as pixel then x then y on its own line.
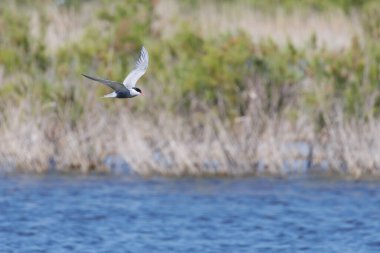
pixel 142 93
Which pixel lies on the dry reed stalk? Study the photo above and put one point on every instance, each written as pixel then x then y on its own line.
pixel 353 148
pixel 22 143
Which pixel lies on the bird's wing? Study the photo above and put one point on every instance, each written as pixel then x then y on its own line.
pixel 139 70
pixel 112 84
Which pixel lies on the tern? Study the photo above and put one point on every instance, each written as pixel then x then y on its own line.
pixel 127 88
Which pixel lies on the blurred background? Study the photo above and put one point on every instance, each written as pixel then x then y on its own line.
pixel 233 87
pixel 247 103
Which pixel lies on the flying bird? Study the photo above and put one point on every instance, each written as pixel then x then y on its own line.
pixel 127 89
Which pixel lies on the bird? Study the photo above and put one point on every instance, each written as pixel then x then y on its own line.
pixel 127 89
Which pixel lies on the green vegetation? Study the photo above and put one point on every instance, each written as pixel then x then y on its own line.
pixel 190 74
pixel 214 70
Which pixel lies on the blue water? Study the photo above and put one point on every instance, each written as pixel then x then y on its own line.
pixel 125 214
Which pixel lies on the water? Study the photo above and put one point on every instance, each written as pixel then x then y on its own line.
pixel 123 214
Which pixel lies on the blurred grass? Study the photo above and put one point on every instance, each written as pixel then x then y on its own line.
pixel 45 45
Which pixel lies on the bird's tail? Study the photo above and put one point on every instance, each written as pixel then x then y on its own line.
pixel 111 95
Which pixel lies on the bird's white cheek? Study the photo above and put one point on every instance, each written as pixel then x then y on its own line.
pixel 134 93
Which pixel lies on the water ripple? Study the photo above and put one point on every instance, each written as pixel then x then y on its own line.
pixel 106 214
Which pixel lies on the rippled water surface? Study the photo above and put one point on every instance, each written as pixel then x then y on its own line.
pixel 122 214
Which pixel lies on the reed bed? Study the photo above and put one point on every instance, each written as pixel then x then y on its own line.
pixel 251 93
pixel 171 145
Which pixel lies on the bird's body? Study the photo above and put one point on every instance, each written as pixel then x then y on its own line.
pixel 127 88
pixel 127 94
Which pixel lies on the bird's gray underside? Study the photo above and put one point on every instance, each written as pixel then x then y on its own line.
pixel 124 95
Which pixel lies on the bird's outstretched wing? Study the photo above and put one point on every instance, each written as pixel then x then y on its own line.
pixel 139 70
pixel 119 87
